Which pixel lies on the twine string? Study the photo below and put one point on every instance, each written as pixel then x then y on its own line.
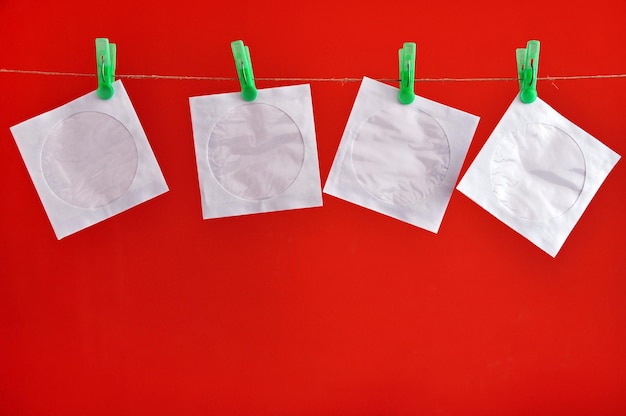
pixel 305 79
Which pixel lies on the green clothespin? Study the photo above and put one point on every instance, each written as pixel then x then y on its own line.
pixel 241 54
pixel 527 68
pixel 407 72
pixel 105 67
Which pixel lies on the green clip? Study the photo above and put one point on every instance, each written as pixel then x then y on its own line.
pixel 241 54
pixel 527 68
pixel 407 72
pixel 105 67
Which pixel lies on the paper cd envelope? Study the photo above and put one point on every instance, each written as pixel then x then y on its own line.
pixel 257 156
pixel 400 160
pixel 89 160
pixel 537 173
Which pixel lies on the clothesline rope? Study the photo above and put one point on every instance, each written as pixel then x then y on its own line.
pixel 309 79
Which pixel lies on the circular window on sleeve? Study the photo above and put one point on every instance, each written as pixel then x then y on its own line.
pixel 537 172
pixel 89 160
pixel 255 151
pixel 400 155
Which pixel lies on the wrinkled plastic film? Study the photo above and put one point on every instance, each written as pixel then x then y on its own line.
pixel 256 151
pixel 537 172
pixel 89 159
pixel 400 155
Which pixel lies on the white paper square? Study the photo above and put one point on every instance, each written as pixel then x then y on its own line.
pixel 537 173
pixel 258 156
pixel 89 160
pixel 400 160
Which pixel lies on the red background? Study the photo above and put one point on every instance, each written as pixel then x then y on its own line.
pixel 335 310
